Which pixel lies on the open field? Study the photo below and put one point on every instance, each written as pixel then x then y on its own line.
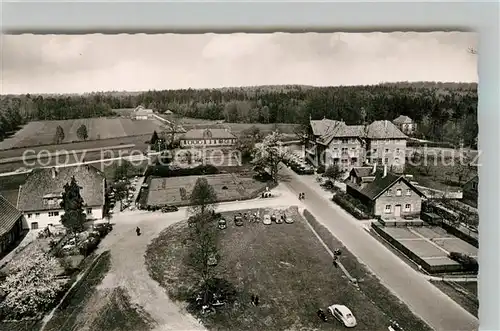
pixel 233 186
pixel 42 132
pixel 237 128
pixel 465 294
pixel 288 268
pixel 90 308
pixel 139 141
pixel 430 245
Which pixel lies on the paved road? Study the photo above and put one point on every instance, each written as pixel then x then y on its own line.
pixel 425 300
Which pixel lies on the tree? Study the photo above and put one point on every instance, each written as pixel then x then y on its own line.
pixel 74 217
pixel 462 168
pixel 122 170
pixel 270 153
pixel 154 138
pixel 203 197
pixel 121 192
pixel 59 136
pixel 32 285
pixel 247 141
pixel 203 233
pixel 82 133
pixel 333 172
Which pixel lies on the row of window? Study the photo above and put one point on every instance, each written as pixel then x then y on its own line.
pixel 386 160
pixel 387 150
pixel 209 142
pixel 55 213
pixel 388 141
pixel 388 208
pixel 399 192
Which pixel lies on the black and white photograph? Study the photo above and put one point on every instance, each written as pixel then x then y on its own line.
pixel 272 181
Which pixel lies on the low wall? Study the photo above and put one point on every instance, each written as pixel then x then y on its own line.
pixel 460 234
pixel 432 269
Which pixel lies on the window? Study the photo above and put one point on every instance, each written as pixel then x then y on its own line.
pixel 398 192
pixel 397 150
pixel 387 150
pixel 389 192
pixel 386 160
pixel 89 211
pixel 374 150
pixel 37 215
pixel 408 207
pixel 29 215
pixel 408 192
pixel 34 225
pixel 345 141
pixel 387 209
pixel 396 160
pixel 53 213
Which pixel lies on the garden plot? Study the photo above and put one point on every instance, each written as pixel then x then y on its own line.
pixel 169 190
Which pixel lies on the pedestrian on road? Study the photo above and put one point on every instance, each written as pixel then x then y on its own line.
pixel 322 315
pixel 138 231
pixel 300 196
pixel 256 300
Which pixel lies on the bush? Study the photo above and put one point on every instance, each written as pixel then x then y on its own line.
pixel 321 169
pixel 351 205
pixel 215 289
pixel 166 171
pixel 467 262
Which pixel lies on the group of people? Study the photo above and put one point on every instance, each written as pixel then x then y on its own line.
pixel 302 196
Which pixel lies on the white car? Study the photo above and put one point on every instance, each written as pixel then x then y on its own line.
pixel 343 314
pixel 267 219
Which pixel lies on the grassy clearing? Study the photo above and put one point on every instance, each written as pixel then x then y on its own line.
pixel 87 307
pixel 465 294
pixel 370 285
pixel 439 176
pixel 42 132
pixel 291 272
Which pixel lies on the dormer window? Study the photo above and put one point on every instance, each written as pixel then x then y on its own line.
pixel 398 192
pixel 389 193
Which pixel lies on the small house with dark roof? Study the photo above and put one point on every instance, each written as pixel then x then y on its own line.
pixel 11 225
pixel 40 196
pixel 196 138
pixel 388 195
pixel 405 124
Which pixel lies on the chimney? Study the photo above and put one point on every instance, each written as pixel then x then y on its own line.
pixel 374 168
pixel 385 171
pixel 54 172
pixel 385 124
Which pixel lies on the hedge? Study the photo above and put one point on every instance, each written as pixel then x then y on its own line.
pixel 429 144
pixel 165 171
pixel 344 201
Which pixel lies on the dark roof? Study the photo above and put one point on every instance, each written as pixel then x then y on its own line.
pixel 384 130
pixel 402 119
pixel 362 171
pixel 342 130
pixel 9 215
pixel 40 183
pixel 322 127
pixel 204 134
pixel 373 190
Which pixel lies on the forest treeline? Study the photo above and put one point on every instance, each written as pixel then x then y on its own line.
pixel 444 111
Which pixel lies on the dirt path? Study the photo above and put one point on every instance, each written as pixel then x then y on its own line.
pixel 128 269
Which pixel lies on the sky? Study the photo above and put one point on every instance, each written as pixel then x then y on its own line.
pixel 123 62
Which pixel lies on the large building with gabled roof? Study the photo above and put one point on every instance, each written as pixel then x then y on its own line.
pixel 40 197
pixel 334 142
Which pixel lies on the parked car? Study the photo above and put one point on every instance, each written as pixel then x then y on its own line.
pixel 273 218
pixel 238 219
pixel 267 219
pixel 288 220
pixel 343 315
pixel 222 224
pixel 169 209
pixel 278 219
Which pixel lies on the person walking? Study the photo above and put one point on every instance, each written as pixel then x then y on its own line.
pixel 138 231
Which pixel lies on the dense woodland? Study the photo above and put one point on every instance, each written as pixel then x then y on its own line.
pixel 444 111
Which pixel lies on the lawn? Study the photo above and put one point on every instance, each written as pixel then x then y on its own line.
pixel 439 176
pixel 291 272
pixel 232 186
pixel 88 307
pixel 465 294
pixel 42 132
pixel 237 128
